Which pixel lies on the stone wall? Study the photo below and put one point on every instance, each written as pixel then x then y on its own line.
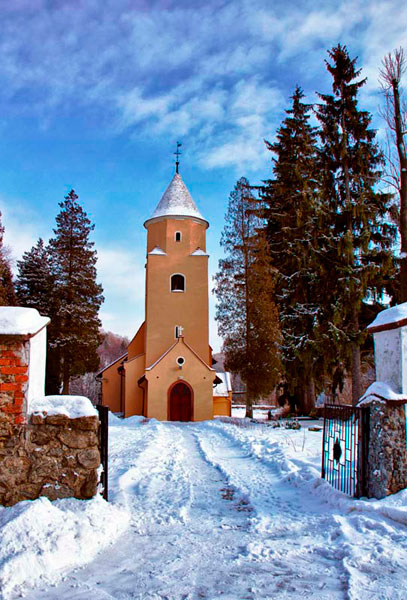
pixel 387 461
pixel 51 456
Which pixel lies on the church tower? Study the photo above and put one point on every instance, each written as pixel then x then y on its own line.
pixel 167 372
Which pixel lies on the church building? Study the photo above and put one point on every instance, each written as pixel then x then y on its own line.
pixel 167 371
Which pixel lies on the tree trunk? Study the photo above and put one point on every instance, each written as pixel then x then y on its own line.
pixel 356 362
pixel 310 395
pixel 66 379
pixel 249 407
pixel 401 150
pixel 306 395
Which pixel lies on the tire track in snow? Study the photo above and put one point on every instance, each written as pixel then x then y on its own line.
pixel 211 519
pixel 186 541
pixel 360 533
pixel 296 542
pixel 157 480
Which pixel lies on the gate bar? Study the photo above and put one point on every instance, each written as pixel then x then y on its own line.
pixel 104 447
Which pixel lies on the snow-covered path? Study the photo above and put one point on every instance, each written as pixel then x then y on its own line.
pixel 219 511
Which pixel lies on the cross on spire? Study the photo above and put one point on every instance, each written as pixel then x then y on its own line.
pixel 177 154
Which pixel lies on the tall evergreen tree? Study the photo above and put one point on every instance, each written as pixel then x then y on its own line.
pixel 7 292
pixel 291 200
pixel 75 337
pixel 358 249
pixel 246 314
pixel 34 284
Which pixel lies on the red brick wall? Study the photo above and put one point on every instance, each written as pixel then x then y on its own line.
pixel 14 353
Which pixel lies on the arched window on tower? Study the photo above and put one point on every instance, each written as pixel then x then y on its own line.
pixel 178 236
pixel 177 282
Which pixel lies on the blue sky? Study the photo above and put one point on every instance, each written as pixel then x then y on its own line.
pixel 94 95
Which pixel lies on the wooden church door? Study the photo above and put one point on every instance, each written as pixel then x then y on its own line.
pixel 180 403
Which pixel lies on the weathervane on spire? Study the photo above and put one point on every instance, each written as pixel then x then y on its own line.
pixel 177 154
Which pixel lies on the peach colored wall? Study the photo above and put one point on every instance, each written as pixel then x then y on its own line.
pixel 134 395
pixel 199 376
pixel 111 387
pixel 162 233
pixel 166 309
pixel 157 235
pixel 137 344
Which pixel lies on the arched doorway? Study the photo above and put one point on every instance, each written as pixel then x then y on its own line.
pixel 180 402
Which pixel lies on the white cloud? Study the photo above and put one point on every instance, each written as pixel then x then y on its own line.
pixel 211 70
pixel 121 273
pixel 23 226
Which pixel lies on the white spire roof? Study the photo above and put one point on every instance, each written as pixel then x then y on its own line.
pixel 176 202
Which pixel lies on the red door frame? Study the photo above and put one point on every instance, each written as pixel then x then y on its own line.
pixel 169 397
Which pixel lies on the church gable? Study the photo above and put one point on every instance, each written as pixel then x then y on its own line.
pixel 137 344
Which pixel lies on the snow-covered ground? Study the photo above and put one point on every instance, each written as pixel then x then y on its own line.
pixel 215 511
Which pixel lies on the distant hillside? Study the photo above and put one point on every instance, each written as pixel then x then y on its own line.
pixel 112 347
pixel 220 359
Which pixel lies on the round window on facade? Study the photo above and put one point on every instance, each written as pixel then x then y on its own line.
pixel 180 361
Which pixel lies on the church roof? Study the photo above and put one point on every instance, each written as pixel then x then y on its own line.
pixel 176 202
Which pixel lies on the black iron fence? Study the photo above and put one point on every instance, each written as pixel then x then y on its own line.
pixel 345 448
pixel 104 447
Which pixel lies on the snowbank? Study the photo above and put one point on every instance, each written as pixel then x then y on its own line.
pixel 296 457
pixel 40 540
pixel 17 320
pixel 390 316
pixel 71 406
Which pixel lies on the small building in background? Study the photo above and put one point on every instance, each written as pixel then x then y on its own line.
pixel 222 395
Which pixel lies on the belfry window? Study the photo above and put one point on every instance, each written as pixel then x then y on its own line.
pixel 178 236
pixel 177 283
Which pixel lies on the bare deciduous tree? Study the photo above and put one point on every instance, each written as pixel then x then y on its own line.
pixel 395 114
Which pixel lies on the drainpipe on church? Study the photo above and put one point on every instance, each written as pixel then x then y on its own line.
pixel 143 389
pixel 122 378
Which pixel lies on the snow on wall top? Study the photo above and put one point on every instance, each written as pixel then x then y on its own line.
pixel 17 320
pixel 223 389
pixel 176 202
pixel 380 390
pixel 71 406
pixel 391 318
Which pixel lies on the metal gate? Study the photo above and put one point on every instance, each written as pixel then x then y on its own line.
pixel 104 446
pixel 345 448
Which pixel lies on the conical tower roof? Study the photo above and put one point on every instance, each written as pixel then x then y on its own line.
pixel 176 202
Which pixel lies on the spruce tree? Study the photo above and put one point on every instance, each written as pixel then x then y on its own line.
pixel 291 202
pixel 246 314
pixel 357 252
pixel 34 284
pixel 75 337
pixel 7 292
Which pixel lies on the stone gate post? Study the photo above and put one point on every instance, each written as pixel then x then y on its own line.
pixel 22 363
pixel 387 396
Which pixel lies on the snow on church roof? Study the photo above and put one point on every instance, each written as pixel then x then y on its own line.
pixel 176 202
pixel 17 320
